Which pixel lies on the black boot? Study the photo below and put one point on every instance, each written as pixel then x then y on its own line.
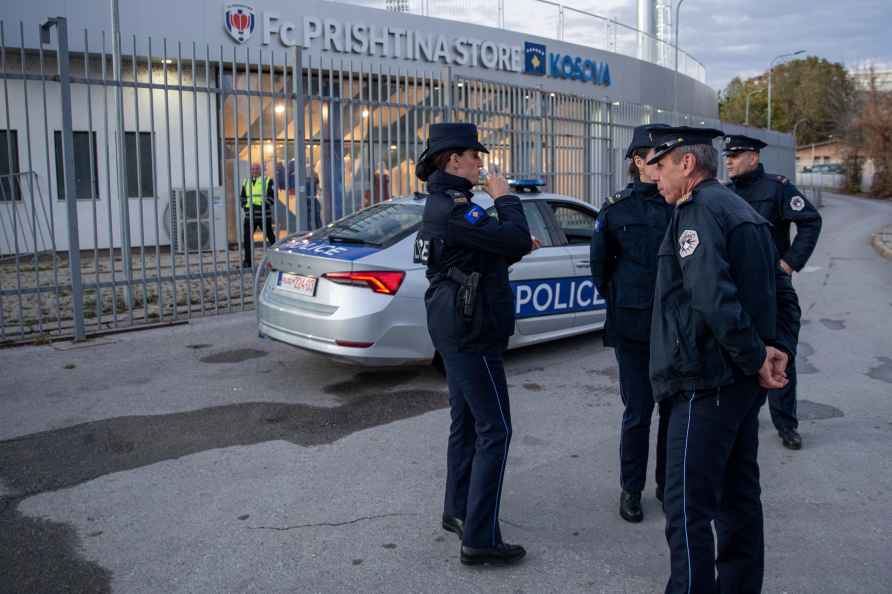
pixel 630 507
pixel 453 524
pixel 790 438
pixel 501 554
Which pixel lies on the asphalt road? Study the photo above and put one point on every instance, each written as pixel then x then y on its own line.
pixel 199 458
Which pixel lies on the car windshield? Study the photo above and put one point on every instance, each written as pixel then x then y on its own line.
pixel 380 225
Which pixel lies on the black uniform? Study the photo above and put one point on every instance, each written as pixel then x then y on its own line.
pixel 720 299
pixel 628 232
pixel 776 199
pixel 458 238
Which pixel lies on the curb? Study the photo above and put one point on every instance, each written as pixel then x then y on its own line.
pixel 882 241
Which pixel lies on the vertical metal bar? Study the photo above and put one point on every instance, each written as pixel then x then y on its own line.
pixel 93 178
pixel 333 209
pixel 197 183
pixel 221 106
pixel 212 198
pixel 249 211
pixel 172 202
pixel 342 143
pixel 239 215
pixel 285 103
pixel 352 125
pixel 364 116
pixel 12 180
pixel 300 154
pixel 74 256
pixel 153 154
pixel 274 215
pixel 180 120
pixel 389 112
pixel 137 150
pixel 119 156
pixel 108 191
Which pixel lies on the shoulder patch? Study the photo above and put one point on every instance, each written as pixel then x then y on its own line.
pixel 474 214
pixel 797 203
pixel 621 195
pixel 688 242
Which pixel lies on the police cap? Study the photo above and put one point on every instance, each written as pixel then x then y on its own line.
pixel 443 137
pixel 667 139
pixel 737 143
pixel 641 138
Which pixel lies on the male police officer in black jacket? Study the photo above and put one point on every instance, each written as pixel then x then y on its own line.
pixel 776 199
pixel 724 322
pixel 626 237
pixel 470 315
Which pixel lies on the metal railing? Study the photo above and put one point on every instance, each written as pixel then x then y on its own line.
pixel 553 20
pixel 332 136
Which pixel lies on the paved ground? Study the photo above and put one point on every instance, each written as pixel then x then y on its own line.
pixel 200 459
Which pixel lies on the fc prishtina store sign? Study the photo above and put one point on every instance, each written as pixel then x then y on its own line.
pixel 384 41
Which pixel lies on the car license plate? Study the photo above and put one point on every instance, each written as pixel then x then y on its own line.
pixel 297 283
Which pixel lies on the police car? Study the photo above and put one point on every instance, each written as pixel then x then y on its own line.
pixel 354 290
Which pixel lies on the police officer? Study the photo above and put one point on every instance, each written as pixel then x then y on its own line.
pixel 776 199
pixel 470 315
pixel 257 199
pixel 626 237
pixel 723 328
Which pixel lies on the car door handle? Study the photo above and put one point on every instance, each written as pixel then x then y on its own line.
pixel 583 264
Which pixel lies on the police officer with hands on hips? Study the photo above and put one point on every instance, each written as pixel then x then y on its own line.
pixel 776 199
pixel 627 234
pixel 724 323
pixel 470 315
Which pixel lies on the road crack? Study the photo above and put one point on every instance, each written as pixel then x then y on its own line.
pixel 328 524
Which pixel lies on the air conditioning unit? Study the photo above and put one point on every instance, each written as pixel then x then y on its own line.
pixel 199 224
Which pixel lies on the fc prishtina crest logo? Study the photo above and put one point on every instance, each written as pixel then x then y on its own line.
pixel 239 21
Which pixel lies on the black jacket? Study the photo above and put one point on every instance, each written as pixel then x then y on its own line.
pixel 720 295
pixel 781 203
pixel 455 232
pixel 627 235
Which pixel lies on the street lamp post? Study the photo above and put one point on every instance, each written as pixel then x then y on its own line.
pixel 746 118
pixel 675 79
pixel 770 67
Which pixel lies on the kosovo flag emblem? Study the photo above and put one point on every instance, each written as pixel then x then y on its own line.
pixel 534 58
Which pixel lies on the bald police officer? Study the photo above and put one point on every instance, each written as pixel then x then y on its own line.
pixel 778 200
pixel 470 316
pixel 723 329
pixel 623 257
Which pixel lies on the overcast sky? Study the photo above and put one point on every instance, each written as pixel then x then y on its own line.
pixel 741 37
pixel 730 37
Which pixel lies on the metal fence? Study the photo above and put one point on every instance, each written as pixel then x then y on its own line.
pixel 123 165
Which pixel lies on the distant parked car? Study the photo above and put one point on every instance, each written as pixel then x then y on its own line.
pixel 826 168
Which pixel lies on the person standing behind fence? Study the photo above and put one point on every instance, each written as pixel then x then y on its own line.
pixel 776 199
pixel 627 233
pixel 258 198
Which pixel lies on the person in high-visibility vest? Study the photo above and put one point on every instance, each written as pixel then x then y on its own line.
pixel 258 204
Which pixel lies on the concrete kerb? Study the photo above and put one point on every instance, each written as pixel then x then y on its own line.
pixel 882 241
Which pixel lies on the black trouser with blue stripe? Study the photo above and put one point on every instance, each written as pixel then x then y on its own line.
pixel 478 444
pixel 638 402
pixel 712 473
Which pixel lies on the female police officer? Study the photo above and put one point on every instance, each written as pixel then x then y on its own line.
pixel 629 229
pixel 470 313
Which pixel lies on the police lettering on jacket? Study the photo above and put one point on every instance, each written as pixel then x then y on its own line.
pixel 720 296
pixel 455 232
pixel 781 203
pixel 627 234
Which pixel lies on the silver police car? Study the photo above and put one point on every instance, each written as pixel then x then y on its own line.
pixel 354 290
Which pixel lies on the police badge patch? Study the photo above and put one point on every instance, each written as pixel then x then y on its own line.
pixel 687 242
pixel 797 203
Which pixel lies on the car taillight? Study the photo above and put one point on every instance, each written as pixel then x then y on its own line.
pixel 380 281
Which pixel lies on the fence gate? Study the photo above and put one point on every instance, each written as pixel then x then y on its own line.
pixel 126 164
